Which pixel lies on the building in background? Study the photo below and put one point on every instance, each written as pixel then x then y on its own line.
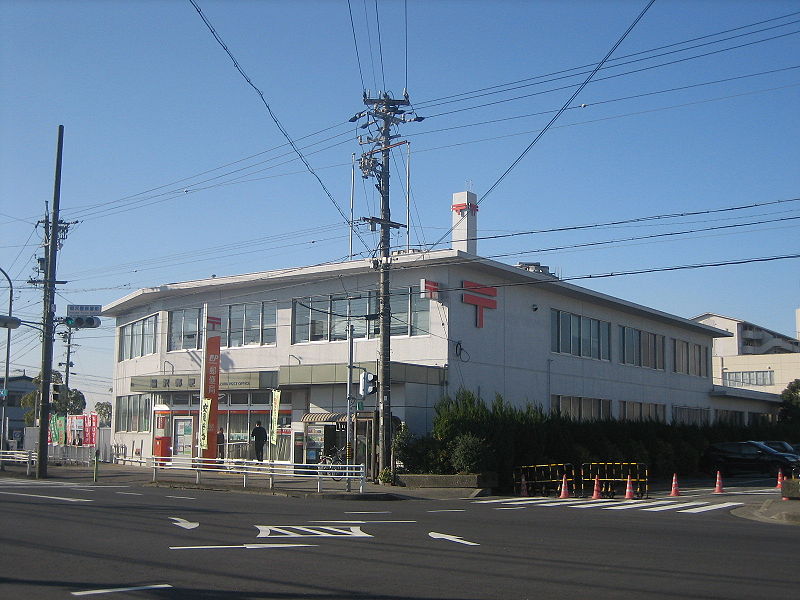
pixel 458 321
pixel 18 386
pixel 753 358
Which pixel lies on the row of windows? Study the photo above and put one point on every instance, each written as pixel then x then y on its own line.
pixel 690 359
pixel 739 378
pixel 642 411
pixel 641 348
pixel 580 336
pixel 138 338
pixel 324 318
pixel 132 413
pixel 581 409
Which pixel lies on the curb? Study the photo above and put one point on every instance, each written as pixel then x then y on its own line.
pixel 771 511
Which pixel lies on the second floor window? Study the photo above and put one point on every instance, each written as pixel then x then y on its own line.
pixel 138 338
pixel 184 329
pixel 251 324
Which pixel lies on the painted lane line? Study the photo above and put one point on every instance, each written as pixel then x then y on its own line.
pixel 674 506
pixel 129 493
pixel 158 586
pixel 184 523
pixel 702 509
pixel 638 504
pixel 47 497
pixel 447 510
pixel 451 538
pixel 562 502
pixel 181 497
pixel 245 546
pixel 367 512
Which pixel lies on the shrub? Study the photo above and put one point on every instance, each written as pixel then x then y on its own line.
pixel 468 454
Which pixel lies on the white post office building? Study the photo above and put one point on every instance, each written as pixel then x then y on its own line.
pixel 458 320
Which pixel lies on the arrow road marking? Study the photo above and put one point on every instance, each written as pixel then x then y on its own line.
pixel 184 523
pixel 451 538
pixel 245 546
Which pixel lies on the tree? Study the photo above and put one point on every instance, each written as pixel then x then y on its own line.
pixel 790 403
pixel 103 410
pixel 71 401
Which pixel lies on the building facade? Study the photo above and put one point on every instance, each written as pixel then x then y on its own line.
pixel 458 321
pixel 753 357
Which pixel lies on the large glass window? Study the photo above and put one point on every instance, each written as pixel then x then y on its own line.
pixel 250 324
pixel 324 318
pixel 137 338
pixel 581 409
pixel 641 348
pixel 132 413
pixel 580 336
pixel 184 329
pixel 741 378
pixel 690 359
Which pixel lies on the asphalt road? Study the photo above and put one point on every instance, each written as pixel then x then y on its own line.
pixel 65 540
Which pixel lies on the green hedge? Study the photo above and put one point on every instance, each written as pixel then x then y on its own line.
pixel 512 437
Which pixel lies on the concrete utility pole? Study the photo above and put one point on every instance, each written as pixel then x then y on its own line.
pixel 3 432
pixel 384 112
pixel 48 316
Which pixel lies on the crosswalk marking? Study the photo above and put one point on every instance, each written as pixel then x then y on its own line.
pixel 593 503
pixel 674 506
pixel 629 504
pixel 702 509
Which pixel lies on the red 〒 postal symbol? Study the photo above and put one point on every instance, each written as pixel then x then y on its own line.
pixel 485 300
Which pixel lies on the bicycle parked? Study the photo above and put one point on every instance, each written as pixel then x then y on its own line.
pixel 333 465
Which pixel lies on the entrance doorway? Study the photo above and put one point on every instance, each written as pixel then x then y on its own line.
pixel 183 436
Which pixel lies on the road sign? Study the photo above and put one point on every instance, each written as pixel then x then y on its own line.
pixel 84 310
pixel 3 392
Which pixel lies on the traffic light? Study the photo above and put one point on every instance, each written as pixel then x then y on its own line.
pixel 367 384
pixel 55 392
pixel 9 322
pixel 82 322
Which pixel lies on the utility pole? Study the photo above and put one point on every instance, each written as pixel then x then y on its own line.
pixel 48 316
pixel 383 112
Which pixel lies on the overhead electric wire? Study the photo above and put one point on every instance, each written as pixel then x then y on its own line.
pixel 380 44
pixel 355 44
pixel 599 79
pixel 558 114
pixel 435 101
pixel 272 115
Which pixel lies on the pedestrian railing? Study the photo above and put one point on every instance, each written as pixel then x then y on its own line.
pixel 19 457
pixel 320 474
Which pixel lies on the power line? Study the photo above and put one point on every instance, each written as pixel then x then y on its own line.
pixel 355 44
pixel 272 114
pixel 380 45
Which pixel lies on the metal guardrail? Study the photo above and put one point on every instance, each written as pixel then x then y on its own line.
pixel 268 469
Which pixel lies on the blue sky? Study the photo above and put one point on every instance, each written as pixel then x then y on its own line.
pixel 150 101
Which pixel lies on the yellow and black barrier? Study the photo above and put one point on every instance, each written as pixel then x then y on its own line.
pixel 544 480
pixel 613 479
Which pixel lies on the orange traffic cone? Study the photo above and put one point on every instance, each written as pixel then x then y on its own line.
pixel 629 490
pixel 675 491
pixel 597 495
pixel 780 480
pixel 564 488
pixel 718 489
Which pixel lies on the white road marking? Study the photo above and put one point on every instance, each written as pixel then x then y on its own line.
pixel 447 510
pixel 319 531
pixel 245 546
pixel 361 522
pixel 674 506
pixel 711 507
pixel 129 493
pixel 181 497
pixel 593 503
pixel 184 523
pixel 529 501
pixel 563 502
pixel 493 501
pixel 451 538
pixel 47 497
pixel 368 512
pixel 125 589
pixel 510 507
pixel 637 504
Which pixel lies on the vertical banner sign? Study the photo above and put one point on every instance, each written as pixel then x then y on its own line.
pixel 90 422
pixel 209 392
pixel 273 426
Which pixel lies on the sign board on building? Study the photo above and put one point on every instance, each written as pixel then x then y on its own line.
pixel 183 383
pixel 84 310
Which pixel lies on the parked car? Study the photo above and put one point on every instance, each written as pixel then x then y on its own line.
pixel 780 446
pixel 730 457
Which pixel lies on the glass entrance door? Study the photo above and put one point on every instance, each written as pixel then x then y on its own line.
pixel 183 436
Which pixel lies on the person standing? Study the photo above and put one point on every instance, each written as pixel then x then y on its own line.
pixel 259 435
pixel 221 443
